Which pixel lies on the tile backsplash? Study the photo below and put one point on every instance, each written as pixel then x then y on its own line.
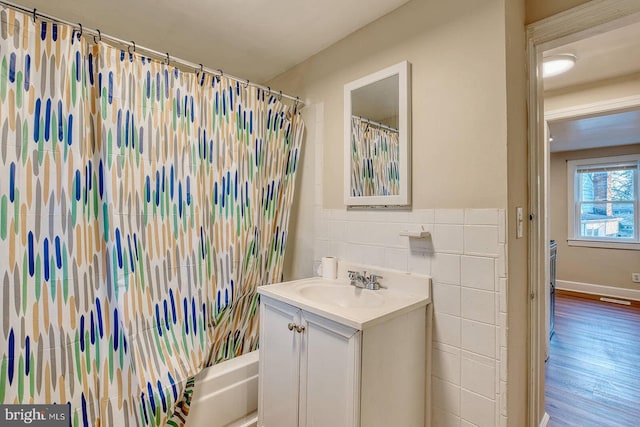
pixel 466 258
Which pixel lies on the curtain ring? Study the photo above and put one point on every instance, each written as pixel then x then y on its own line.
pixel 280 96
pixel 132 45
pixel 295 106
pixel 99 37
pixel 201 69
pixel 246 84
pixel 34 15
pixel 80 33
pixel 168 59
pixel 268 90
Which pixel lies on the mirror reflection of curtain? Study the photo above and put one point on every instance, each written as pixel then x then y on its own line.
pixel 141 207
pixel 375 153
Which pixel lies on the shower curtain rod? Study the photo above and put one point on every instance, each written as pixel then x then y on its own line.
pixel 133 48
pixel 380 125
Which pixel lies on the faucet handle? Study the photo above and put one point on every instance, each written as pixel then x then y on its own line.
pixel 374 278
pixel 372 282
pixel 352 274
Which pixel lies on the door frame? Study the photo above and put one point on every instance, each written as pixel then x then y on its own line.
pixel 593 17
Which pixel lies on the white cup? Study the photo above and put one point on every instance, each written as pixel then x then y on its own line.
pixel 328 268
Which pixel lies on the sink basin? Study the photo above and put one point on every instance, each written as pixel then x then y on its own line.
pixel 341 295
pixel 360 309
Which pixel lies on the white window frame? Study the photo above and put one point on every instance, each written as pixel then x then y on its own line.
pixel 573 224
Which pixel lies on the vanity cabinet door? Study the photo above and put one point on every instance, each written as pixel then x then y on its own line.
pixel 329 373
pixel 279 364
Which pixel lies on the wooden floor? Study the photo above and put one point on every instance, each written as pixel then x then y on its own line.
pixel 593 372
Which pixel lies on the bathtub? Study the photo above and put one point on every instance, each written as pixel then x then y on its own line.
pixel 226 394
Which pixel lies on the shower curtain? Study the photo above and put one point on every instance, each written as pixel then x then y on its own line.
pixel 140 207
pixel 375 153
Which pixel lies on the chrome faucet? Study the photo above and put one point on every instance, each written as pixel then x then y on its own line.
pixel 363 281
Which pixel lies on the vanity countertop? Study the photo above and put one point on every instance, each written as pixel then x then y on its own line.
pixel 358 308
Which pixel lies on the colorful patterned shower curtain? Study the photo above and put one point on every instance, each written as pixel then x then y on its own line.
pixel 375 153
pixel 140 207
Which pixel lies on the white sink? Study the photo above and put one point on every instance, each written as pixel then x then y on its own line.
pixel 358 308
pixel 346 296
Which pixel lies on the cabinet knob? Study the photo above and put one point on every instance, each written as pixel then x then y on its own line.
pixel 299 329
pixel 291 326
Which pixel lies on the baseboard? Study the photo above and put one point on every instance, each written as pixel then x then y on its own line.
pixel 606 294
pixel 600 290
pixel 545 420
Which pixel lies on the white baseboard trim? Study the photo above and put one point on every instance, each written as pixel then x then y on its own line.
pixel 607 291
pixel 545 420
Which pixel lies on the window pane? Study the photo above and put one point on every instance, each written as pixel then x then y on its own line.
pixel 607 185
pixel 610 220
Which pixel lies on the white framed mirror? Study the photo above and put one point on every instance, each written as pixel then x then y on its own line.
pixel 377 138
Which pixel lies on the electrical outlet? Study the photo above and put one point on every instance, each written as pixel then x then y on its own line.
pixel 635 277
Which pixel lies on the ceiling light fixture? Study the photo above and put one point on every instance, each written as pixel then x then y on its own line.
pixel 557 64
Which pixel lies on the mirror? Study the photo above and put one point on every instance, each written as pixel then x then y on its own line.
pixel 377 139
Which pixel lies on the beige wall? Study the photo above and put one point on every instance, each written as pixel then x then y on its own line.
pixel 609 267
pixel 540 9
pixel 457 52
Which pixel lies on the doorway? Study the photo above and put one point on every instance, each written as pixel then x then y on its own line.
pixel 569 30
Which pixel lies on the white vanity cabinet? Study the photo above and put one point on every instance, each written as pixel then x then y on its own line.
pixel 308 369
pixel 317 372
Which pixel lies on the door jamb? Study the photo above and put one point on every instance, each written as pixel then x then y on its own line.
pixel 591 18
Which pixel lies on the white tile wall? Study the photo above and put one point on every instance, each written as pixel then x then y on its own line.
pixel 478 272
pixel 442 418
pixel 446 298
pixel 447 329
pixel 477 409
pixel 478 374
pixel 481 240
pixel 479 305
pixel 479 337
pixel 466 257
pixel 445 362
pixel 445 395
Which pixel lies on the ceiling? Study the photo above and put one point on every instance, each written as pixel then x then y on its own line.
pixel 253 39
pixel 607 130
pixel 604 56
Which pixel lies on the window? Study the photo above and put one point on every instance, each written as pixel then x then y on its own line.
pixel 603 202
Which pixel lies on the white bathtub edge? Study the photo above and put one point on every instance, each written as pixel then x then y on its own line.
pixel 226 394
